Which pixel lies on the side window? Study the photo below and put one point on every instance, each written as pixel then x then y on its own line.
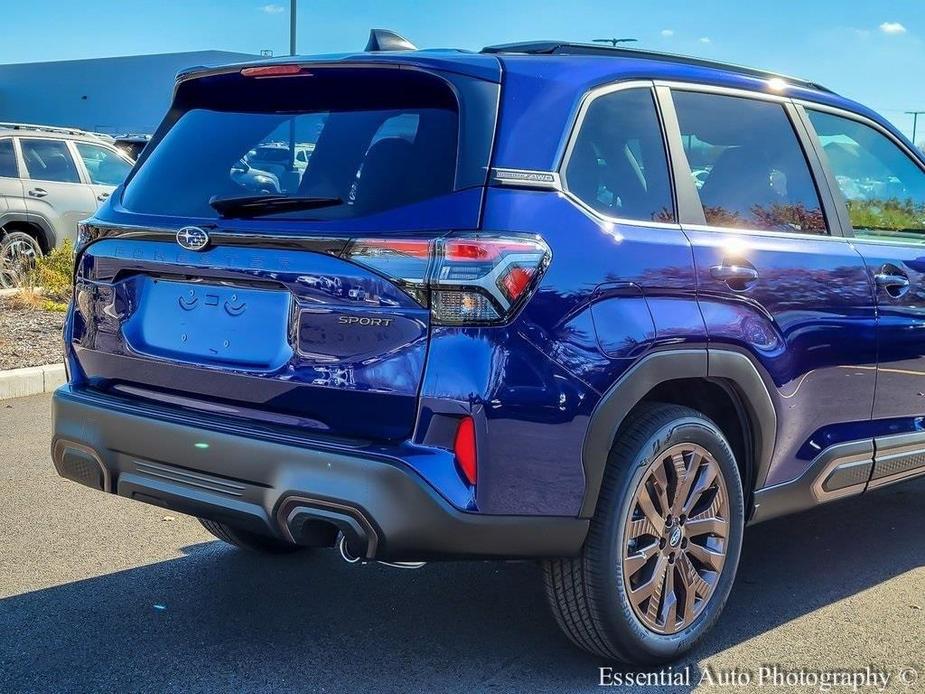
pixel 748 164
pixel 617 164
pixel 883 186
pixel 105 167
pixel 49 160
pixel 8 159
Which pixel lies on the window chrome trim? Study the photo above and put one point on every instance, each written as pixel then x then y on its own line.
pixel 604 219
pixel 766 232
pixel 589 97
pixel 722 91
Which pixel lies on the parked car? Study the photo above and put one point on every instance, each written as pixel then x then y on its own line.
pixel 132 144
pixel 524 333
pixel 50 179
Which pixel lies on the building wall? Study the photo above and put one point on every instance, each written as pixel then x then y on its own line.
pixel 110 95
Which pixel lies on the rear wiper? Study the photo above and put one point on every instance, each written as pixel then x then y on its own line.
pixel 258 205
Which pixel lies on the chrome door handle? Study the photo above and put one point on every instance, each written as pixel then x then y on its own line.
pixel 38 192
pixel 738 277
pixel 891 282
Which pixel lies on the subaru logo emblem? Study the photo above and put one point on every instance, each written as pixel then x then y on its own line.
pixel 193 238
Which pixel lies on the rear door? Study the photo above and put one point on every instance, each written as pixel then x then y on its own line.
pixel 103 167
pixel 312 316
pixel 53 185
pixel 883 185
pixel 774 278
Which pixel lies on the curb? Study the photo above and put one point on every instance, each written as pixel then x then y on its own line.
pixel 18 383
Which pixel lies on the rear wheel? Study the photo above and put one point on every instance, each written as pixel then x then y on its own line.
pixel 245 539
pixel 18 253
pixel 664 543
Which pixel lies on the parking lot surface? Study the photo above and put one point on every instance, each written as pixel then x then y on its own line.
pixel 101 593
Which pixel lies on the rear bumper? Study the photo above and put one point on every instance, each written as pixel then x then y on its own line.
pixel 294 492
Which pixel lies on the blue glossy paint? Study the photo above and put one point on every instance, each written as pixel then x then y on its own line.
pixel 612 293
pixel 901 371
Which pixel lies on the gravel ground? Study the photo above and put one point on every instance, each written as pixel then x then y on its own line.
pixel 100 593
pixel 29 337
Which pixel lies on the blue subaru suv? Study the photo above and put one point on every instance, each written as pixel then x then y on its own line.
pixel 597 307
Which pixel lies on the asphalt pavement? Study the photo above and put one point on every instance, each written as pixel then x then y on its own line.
pixel 98 593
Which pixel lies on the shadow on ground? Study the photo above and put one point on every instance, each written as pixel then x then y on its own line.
pixel 232 621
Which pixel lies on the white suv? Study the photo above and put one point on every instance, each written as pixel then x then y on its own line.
pixel 50 179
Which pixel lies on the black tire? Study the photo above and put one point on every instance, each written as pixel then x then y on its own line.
pixel 588 594
pixel 12 276
pixel 244 539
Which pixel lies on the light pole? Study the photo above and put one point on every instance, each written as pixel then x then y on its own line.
pixel 292 15
pixel 292 51
pixel 915 121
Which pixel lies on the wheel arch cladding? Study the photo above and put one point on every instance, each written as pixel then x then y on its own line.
pixel 733 369
pixel 32 224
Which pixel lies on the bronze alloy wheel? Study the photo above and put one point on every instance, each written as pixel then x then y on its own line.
pixel 676 538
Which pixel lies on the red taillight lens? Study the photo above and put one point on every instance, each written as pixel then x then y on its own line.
pixel 515 281
pixel 466 279
pixel 274 71
pixel 465 449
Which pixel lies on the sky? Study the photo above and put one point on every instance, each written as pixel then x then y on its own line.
pixel 869 50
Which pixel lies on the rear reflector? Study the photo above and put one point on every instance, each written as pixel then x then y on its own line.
pixel 465 450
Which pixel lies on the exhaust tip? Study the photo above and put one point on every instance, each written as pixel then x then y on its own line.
pixel 344 549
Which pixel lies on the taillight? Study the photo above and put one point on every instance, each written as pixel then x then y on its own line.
pixel 464 447
pixel 465 279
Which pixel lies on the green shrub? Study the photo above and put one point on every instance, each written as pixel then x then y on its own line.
pixel 49 285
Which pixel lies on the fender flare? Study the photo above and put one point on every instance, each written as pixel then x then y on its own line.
pixel 732 367
pixel 47 230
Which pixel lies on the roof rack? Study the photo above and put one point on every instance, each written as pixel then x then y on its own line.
pixel 46 128
pixel 567 48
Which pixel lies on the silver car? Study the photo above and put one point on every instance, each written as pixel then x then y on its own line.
pixel 50 179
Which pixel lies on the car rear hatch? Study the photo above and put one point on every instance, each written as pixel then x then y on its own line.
pixel 286 295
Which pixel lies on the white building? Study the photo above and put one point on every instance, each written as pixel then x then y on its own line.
pixel 127 94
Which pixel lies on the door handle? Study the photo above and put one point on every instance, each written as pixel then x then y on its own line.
pixel 38 192
pixel 738 277
pixel 892 280
pixel 102 197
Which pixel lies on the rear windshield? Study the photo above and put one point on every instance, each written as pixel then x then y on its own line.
pixel 372 139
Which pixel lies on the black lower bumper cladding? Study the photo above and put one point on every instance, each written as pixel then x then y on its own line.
pixel 386 511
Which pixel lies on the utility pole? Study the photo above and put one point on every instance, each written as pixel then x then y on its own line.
pixel 292 51
pixel 292 15
pixel 915 121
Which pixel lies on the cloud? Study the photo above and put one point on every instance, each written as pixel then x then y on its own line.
pixel 704 39
pixel 667 33
pixel 892 28
pixel 273 9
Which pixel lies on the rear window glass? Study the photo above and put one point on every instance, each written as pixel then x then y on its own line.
pixel 373 141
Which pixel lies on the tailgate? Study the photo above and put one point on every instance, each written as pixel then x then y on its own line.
pixel 279 336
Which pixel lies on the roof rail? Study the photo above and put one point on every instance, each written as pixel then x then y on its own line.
pixel 568 48
pixel 46 128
